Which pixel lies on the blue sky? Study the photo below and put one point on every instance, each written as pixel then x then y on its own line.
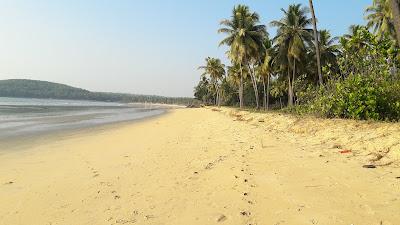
pixel 147 47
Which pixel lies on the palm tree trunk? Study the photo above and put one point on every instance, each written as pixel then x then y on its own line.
pixel 241 103
pixel 265 94
pixel 216 94
pixel 256 88
pixel 394 5
pixel 254 82
pixel 316 43
pixel 219 97
pixel 268 92
pixel 293 79
pixel 290 93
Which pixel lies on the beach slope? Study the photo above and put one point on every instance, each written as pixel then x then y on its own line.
pixel 195 166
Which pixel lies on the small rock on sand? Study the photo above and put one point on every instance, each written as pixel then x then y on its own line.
pixel 221 218
pixel 338 146
pixel 244 213
pixel 369 166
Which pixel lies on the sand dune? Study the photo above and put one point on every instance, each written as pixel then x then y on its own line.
pixel 199 166
pixel 374 142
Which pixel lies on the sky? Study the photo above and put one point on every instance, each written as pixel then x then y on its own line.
pixel 133 46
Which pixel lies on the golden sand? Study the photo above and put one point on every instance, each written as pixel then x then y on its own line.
pixel 200 167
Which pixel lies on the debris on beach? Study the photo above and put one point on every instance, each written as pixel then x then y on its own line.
pixel 369 166
pixel 345 151
pixel 221 218
pixel 338 146
pixel 149 217
pixel 244 213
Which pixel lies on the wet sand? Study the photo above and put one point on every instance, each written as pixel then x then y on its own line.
pixel 199 166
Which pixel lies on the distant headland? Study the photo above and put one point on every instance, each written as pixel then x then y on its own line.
pixel 23 88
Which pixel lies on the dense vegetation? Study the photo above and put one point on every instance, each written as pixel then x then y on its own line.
pixel 306 70
pixel 20 88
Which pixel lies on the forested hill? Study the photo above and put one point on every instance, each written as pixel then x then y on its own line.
pixel 21 88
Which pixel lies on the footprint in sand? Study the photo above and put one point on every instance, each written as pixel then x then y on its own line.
pixel 245 213
pixel 209 166
pixel 149 217
pixel 95 173
pixel 124 221
pixel 115 195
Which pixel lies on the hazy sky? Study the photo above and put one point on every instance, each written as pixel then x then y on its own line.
pixel 132 46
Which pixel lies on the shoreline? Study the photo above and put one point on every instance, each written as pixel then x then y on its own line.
pixel 195 166
pixel 9 144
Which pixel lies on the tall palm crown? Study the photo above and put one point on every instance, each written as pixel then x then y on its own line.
pixel 353 29
pixel 292 38
pixel 244 33
pixel 328 47
pixel 214 68
pixel 245 38
pixel 266 67
pixel 234 74
pixel 293 31
pixel 380 18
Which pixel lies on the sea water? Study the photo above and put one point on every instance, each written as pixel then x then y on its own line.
pixel 21 117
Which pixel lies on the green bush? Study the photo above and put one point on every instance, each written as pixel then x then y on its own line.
pixel 357 97
pixel 367 86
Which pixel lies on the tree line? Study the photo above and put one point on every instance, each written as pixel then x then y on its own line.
pixel 306 70
pixel 21 88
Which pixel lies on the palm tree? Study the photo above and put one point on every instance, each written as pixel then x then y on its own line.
pixel 266 70
pixel 244 37
pixel 329 50
pixel 216 70
pixel 394 5
pixel 356 43
pixel 317 50
pixel 234 75
pixel 292 36
pixel 353 29
pixel 379 17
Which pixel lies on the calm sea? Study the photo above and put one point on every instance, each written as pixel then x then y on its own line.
pixel 21 117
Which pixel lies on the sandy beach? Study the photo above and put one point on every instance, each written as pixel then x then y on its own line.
pixel 208 166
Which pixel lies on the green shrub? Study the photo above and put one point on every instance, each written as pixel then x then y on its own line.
pixel 366 88
pixel 357 97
